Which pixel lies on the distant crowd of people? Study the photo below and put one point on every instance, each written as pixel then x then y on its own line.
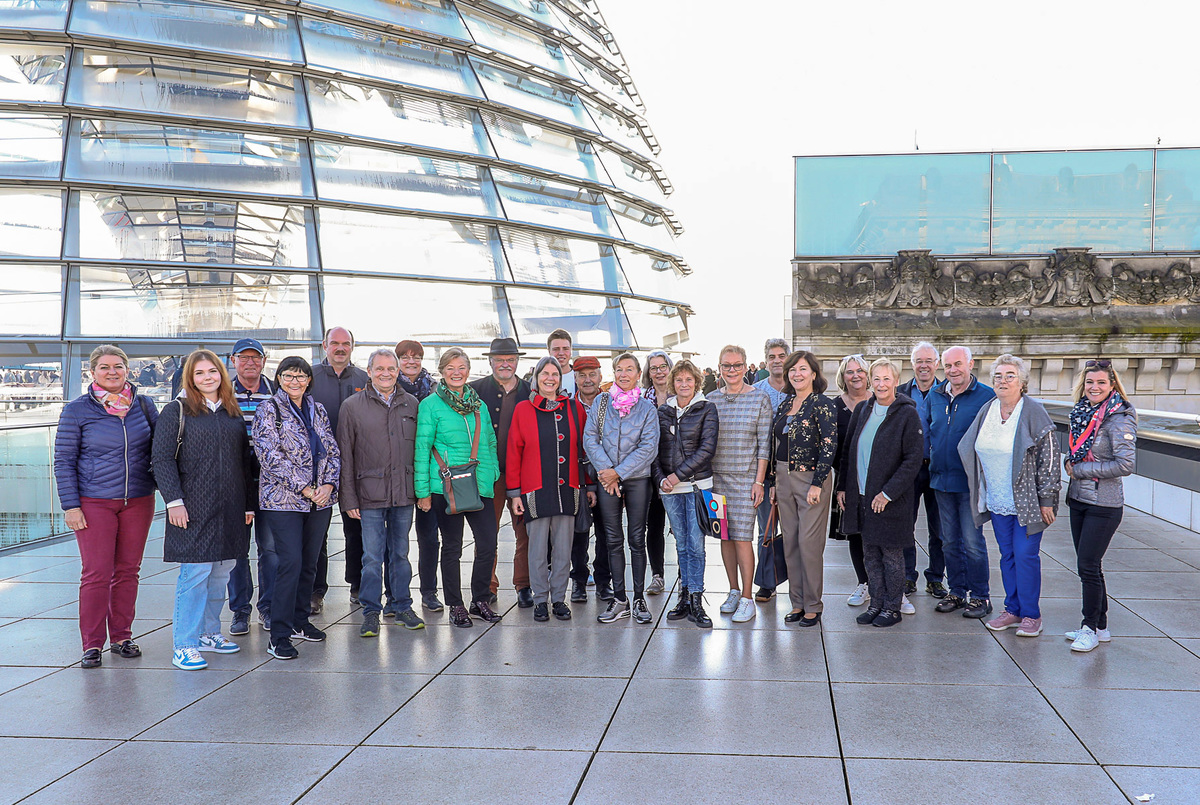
pixel 764 460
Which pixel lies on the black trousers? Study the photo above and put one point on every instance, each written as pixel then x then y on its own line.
pixel 635 501
pixel 298 540
pixel 427 549
pixel 579 552
pixel 483 529
pixel 352 530
pixel 656 534
pixel 1092 529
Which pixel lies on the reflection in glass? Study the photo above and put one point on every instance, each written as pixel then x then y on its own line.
pixel 30 300
pixel 187 88
pixel 621 131
pixel 535 200
pixel 352 240
pixel 386 310
pixel 382 57
pixel 656 325
pixel 1177 200
pixel 31 508
pixel 30 222
pixel 550 149
pixel 604 82
pixel 644 226
pixel 34 15
pixel 632 176
pixel 596 321
pixel 514 40
pixel 542 98
pixel 125 226
pixel 1044 201
pixel 386 178
pixel 30 145
pixel 194 24
pixel 399 117
pixel 588 36
pixel 178 156
pixel 193 303
pixel 431 16
pixel 538 10
pixel 649 274
pixel 31 73
pixel 546 258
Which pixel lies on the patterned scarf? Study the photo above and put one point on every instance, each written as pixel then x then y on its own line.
pixel 545 403
pixel 1085 424
pixel 420 388
pixel 465 403
pixel 624 401
pixel 117 404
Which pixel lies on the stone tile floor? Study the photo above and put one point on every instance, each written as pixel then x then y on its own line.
pixel 937 709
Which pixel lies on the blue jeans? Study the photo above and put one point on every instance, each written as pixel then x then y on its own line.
pixel 963 546
pixel 1020 565
pixel 385 533
pixel 199 598
pixel 689 542
pixel 241 582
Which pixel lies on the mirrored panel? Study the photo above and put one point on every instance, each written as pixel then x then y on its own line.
pixel 656 325
pixel 1177 200
pixel 127 226
pixel 550 149
pixel 179 156
pixel 30 222
pixel 605 82
pixel 620 130
pixel 535 200
pixel 30 300
pixel 1100 199
pixel 207 90
pixel 390 179
pixel 650 274
pixel 548 258
pixel 632 176
pixel 383 57
pixel 644 226
pixel 193 303
pixel 389 310
pixel 595 321
pixel 34 15
pixel 30 145
pixel 399 117
pixel 519 42
pixel 193 24
pixel 586 31
pixel 537 10
pixel 31 73
pixel 353 240
pixel 534 95
pixel 429 16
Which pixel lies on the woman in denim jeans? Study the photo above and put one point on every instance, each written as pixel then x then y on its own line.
pixel 683 467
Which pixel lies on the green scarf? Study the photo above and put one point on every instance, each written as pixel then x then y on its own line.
pixel 466 403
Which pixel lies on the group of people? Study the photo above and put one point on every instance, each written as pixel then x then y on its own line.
pixel 570 455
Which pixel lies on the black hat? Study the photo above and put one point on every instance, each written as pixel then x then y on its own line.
pixel 503 346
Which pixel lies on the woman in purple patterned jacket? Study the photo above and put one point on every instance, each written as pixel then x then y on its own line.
pixel 297 490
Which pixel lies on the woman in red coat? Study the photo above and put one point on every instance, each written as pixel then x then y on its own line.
pixel 546 480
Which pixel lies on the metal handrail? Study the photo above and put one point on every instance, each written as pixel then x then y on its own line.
pixel 1060 411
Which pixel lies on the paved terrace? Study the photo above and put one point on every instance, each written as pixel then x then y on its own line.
pixel 935 710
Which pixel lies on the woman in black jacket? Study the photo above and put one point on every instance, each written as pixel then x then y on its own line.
pixel 876 488
pixel 204 465
pixel 686 446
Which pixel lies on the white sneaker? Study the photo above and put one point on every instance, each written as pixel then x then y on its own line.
pixel 905 607
pixel 731 602
pixel 217 643
pixel 1085 640
pixel 859 597
pixel 746 610
pixel 1102 635
pixel 188 659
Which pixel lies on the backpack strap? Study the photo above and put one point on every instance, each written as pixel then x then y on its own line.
pixel 604 400
pixel 475 438
pixel 278 416
pixel 179 432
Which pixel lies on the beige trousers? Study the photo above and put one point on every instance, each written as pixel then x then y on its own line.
pixel 803 528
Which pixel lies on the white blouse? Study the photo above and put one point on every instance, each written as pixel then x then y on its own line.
pixel 994 446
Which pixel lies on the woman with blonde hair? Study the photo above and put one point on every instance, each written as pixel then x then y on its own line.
pixel 852 381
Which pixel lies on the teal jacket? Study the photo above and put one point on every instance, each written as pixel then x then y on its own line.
pixel 439 426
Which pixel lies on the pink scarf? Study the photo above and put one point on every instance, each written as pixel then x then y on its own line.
pixel 624 401
pixel 117 404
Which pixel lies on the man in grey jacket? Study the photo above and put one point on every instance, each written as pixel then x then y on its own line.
pixel 377 433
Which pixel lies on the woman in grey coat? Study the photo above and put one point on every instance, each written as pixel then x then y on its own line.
pixel 1010 453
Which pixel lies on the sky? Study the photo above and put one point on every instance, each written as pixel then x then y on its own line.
pixel 735 90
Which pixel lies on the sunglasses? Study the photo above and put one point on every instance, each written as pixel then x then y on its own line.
pixel 1098 365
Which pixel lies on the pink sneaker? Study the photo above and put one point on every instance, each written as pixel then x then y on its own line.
pixel 1005 620
pixel 1030 627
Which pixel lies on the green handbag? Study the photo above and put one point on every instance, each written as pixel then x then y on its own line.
pixel 460 486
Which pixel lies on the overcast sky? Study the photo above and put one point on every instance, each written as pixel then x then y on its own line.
pixel 735 90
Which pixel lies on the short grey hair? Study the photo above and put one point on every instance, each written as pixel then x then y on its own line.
pixel 937 356
pixel 964 348
pixel 1019 364
pixel 775 342
pixel 382 352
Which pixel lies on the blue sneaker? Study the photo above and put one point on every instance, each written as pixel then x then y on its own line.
pixel 189 659
pixel 240 624
pixel 218 644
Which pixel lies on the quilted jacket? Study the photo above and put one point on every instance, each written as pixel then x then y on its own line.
pixel 100 455
pixel 285 457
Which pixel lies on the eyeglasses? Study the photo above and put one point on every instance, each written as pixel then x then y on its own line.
pixel 729 367
pixel 1098 365
pixel 248 357
pixel 657 369
pixel 294 378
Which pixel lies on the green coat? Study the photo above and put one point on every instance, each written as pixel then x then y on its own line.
pixel 439 426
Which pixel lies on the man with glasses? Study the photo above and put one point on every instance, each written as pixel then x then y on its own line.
pixel 500 392
pixel 925 359
pixel 776 351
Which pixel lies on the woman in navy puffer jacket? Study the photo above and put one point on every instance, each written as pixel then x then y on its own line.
pixel 102 466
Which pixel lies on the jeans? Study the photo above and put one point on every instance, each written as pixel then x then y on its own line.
pixel 298 540
pixel 483 528
pixel 427 550
pixel 199 598
pixel 963 545
pixel 1020 565
pixel 111 549
pixel 385 535
pixel 579 552
pixel 635 500
pixel 241 582
pixel 689 540
pixel 656 533
pixel 1092 529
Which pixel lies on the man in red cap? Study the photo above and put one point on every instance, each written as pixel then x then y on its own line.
pixel 587 387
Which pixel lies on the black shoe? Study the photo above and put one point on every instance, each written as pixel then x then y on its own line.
pixel 887 618
pixel 949 604
pixel 604 591
pixel 541 612
pixel 910 586
pixel 91 658
pixel 813 621
pixel 282 649
pixel 579 592
pixel 354 596
pixel 316 604
pixel 491 599
pixel 978 608
pixel 764 594
pixel 308 632
pixel 126 648
pixel 561 611
pixel 683 607
pixel 698 616
pixel 792 617
pixel 481 610
pixel 936 589
pixel 459 617
pixel 641 613
pixel 524 598
pixel 869 616
pixel 430 601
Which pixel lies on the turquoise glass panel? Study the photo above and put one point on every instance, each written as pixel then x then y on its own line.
pixel 1177 201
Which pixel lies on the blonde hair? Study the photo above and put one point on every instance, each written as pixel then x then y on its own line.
pixel 880 363
pixel 452 354
pixel 107 349
pixel 627 356
pixel 193 399
pixel 1114 378
pixel 839 377
pixel 734 348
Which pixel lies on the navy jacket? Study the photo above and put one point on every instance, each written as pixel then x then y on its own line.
pixel 948 422
pixel 99 455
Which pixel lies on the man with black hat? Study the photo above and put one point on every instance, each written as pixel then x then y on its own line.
pixel 500 392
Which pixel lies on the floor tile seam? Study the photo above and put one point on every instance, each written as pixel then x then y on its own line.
pixel 788 755
pixel 119 743
pixel 837 727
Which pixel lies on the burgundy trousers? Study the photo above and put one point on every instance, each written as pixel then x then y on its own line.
pixel 111 549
